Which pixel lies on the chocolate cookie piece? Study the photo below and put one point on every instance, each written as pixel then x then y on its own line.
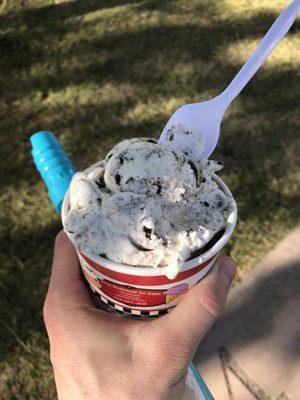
pixel 159 187
pixel 170 135
pixel 100 182
pixel 118 179
pixel 194 169
pixel 151 141
pixel 208 245
pixel 148 232
pixel 137 245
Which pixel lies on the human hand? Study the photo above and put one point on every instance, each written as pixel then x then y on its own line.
pixel 98 355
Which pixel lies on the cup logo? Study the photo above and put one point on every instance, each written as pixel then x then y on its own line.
pixel 159 296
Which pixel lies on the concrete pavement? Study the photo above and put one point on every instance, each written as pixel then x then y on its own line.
pixel 253 351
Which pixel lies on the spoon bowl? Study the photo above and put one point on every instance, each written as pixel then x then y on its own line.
pixel 202 118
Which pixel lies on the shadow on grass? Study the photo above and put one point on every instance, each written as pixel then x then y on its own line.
pixel 24 281
pixel 66 9
pixel 129 56
pixel 79 140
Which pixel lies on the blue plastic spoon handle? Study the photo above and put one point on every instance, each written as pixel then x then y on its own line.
pixel 53 164
pixel 205 391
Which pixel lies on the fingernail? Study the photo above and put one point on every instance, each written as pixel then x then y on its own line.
pixel 227 268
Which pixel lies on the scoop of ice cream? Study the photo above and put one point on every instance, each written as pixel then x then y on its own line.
pixel 146 205
pixel 142 160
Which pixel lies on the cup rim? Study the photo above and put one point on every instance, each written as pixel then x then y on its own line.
pixel 151 271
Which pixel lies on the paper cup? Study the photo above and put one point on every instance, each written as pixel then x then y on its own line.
pixel 144 291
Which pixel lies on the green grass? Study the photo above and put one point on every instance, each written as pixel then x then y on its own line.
pixel 97 71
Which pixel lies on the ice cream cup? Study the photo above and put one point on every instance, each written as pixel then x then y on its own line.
pixel 144 291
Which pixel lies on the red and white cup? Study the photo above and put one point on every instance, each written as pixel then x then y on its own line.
pixel 146 291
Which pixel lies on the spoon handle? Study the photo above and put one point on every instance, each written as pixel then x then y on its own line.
pixel 274 35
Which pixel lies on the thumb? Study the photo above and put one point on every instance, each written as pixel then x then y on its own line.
pixel 184 327
pixel 66 289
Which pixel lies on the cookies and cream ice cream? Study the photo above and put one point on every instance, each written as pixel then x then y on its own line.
pixel 146 205
pixel 189 141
